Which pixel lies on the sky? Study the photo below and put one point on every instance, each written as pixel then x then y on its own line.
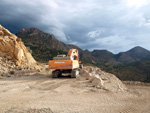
pixel 114 25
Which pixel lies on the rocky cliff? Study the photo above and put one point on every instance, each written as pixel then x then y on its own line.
pixel 13 52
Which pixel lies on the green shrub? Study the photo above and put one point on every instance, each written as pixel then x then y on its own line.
pixel 47 69
pixel 1 74
pixel 12 72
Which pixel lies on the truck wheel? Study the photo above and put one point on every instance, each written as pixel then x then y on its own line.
pixel 81 66
pixel 74 73
pixel 60 74
pixel 55 74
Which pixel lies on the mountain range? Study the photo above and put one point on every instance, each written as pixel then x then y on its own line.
pixel 130 65
pixel 133 55
pixel 45 46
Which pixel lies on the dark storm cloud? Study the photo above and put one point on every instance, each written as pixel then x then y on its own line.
pixel 116 25
pixel 16 16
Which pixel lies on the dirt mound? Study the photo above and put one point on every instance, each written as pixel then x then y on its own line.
pixel 101 79
pixel 13 53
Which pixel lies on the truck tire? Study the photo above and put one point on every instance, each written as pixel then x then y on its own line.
pixel 74 73
pixel 55 74
pixel 81 66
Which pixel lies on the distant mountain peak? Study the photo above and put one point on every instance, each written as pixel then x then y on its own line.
pixel 133 55
pixel 31 30
pixel 138 50
pixel 36 33
pixel 102 51
pixel 86 50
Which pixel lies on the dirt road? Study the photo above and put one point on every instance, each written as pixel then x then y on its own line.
pixel 39 93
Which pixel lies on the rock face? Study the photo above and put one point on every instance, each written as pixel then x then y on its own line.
pixel 13 49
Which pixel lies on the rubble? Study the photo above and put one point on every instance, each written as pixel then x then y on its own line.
pixel 101 79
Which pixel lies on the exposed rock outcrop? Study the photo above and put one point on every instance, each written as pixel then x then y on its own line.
pixel 13 50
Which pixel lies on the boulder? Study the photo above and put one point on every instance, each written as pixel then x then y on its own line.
pixel 97 81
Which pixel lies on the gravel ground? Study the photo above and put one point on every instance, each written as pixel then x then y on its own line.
pixel 39 93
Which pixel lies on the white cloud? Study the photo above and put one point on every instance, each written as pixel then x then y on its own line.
pixel 95 34
pixel 137 3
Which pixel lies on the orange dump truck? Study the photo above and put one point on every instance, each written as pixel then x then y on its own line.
pixel 66 64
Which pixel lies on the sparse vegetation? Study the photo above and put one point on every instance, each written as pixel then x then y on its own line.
pixel 1 74
pixel 28 48
pixel 45 54
pixel 11 72
pixel 47 69
pixel 138 71
pixel 37 63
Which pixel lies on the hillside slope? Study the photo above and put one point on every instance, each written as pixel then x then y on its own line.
pixel 104 56
pixel 133 55
pixel 133 64
pixel 45 46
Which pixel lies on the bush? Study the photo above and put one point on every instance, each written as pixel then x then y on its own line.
pixel 1 74
pixel 47 69
pixel 12 72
